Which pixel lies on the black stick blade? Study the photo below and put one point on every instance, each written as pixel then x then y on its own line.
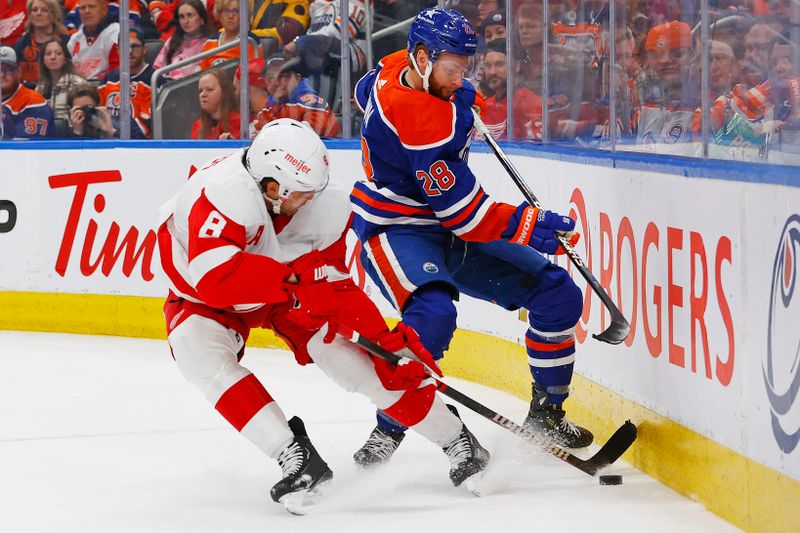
pixel 613 449
pixel 615 333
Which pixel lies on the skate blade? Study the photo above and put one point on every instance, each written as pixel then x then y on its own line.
pixel 302 501
pixel 475 485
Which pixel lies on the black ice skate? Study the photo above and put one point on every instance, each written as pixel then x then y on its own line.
pixel 304 472
pixel 467 458
pixel 379 448
pixel 549 421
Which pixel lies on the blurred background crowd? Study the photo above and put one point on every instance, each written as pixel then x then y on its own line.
pixel 703 78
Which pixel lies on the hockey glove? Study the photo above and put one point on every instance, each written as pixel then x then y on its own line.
pixel 537 228
pixel 314 296
pixel 408 373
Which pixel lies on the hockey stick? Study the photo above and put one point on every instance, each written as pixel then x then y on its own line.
pixel 619 328
pixel 614 447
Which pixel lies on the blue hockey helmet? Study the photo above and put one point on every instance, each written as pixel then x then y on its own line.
pixel 442 30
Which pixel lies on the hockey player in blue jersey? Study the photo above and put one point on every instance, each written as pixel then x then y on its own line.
pixel 430 232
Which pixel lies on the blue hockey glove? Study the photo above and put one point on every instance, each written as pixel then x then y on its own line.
pixel 537 228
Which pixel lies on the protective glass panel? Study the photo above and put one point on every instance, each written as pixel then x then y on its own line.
pixel 577 68
pixel 754 83
pixel 519 36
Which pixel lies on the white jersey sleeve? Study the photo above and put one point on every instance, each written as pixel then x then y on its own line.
pixel 218 244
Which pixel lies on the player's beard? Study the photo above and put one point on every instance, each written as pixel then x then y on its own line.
pixel 438 90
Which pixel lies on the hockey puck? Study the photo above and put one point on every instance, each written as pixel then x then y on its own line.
pixel 614 479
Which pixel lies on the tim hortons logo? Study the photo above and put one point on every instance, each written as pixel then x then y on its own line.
pixel 779 366
pixel 128 249
pixel 296 163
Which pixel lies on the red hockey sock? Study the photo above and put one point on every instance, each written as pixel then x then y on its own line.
pixel 242 401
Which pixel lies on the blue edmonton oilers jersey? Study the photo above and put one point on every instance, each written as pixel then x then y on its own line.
pixel 414 154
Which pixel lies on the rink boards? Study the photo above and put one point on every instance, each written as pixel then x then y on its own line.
pixel 703 262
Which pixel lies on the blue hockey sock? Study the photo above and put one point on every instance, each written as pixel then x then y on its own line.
pixel 551 358
pixel 388 423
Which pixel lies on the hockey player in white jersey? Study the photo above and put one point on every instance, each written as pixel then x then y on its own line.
pixel 256 239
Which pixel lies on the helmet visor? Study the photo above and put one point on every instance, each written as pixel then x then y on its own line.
pixel 452 65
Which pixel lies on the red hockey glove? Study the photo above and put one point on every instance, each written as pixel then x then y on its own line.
pixel 408 373
pixel 314 296
pixel 537 228
pixel 404 336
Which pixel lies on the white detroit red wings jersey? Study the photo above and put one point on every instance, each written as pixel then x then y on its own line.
pixel 218 241
pixel 94 57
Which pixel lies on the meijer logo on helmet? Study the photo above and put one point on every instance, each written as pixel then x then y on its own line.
pixel 296 163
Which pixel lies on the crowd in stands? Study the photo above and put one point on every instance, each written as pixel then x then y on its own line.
pixel 60 63
pixel 753 62
pixel 54 52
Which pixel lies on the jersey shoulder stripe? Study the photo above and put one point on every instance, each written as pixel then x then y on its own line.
pixel 25 99
pixel 420 121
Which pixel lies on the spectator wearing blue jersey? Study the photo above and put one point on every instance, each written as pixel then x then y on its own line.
pixel 26 114
pixel 430 232
pixel 293 97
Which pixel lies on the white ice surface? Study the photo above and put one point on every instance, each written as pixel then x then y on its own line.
pixel 102 434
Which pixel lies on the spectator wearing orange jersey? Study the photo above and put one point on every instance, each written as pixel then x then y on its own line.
pixel 192 29
pixel 227 12
pixel 140 92
pixel 219 117
pixel 294 98
pixel 26 114
pixel 45 22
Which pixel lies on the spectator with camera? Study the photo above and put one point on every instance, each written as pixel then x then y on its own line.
pixel 26 114
pixel 57 77
pixel 88 119
pixel 219 109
